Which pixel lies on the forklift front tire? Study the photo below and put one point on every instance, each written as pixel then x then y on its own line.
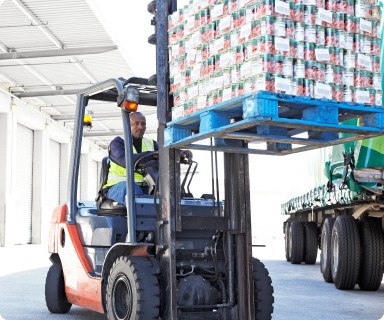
pixel 132 290
pixel 55 296
pixel 262 291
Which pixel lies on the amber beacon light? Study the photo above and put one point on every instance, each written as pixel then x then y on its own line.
pixel 87 122
pixel 129 99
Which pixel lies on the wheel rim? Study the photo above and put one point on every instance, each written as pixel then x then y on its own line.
pixel 324 251
pixel 122 298
pixel 335 247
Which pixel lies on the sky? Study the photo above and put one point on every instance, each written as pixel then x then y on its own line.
pixel 129 25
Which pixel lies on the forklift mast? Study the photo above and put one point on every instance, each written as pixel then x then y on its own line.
pixel 237 196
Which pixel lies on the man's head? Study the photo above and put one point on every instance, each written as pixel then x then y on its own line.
pixel 138 124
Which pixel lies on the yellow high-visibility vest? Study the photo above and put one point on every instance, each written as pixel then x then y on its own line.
pixel 117 173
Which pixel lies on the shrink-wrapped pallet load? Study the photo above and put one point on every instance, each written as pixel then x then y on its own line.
pixel 322 49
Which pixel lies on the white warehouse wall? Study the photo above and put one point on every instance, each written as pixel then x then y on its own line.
pixel 13 112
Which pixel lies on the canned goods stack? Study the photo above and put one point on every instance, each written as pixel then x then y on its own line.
pixel 221 49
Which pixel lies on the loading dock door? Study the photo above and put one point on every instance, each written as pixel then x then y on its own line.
pixel 23 185
pixel 53 175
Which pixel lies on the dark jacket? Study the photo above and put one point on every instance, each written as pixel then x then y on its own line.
pixel 117 151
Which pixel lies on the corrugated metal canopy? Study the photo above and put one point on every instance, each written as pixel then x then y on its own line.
pixel 69 32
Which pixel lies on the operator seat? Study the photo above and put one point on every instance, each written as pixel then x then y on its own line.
pixel 104 205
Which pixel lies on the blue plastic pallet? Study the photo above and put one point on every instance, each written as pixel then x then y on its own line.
pixel 273 123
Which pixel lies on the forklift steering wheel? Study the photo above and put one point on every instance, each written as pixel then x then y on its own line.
pixel 149 159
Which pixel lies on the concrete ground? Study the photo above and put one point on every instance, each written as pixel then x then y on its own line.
pixel 300 292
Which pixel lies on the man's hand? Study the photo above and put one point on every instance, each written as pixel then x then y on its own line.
pixel 186 156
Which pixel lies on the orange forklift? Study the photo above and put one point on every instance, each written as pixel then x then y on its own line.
pixel 166 255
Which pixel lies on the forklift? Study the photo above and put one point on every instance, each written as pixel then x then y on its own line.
pixel 166 255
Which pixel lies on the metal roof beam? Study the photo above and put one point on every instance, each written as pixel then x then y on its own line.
pixel 104 133
pixel 111 133
pixel 33 94
pixel 56 52
pixel 98 116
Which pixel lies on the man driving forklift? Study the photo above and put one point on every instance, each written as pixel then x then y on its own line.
pixel 115 188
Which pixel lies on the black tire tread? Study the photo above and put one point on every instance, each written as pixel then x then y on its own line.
pixel 263 291
pixel 346 276
pixel 55 297
pixel 372 245
pixel 146 284
pixel 326 232
pixel 297 237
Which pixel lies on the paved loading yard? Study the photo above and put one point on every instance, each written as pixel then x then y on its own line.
pixel 300 292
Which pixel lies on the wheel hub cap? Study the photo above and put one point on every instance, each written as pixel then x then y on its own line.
pixel 335 246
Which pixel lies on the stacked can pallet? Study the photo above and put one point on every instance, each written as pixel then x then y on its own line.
pixel 221 49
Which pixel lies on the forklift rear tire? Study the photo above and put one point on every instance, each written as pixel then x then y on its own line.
pixel 132 290
pixel 325 254
pixel 55 296
pixel 262 291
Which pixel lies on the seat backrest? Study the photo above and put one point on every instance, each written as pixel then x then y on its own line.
pixel 105 164
pixel 102 179
pixel 104 205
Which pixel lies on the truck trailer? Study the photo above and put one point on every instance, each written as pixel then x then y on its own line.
pixel 343 217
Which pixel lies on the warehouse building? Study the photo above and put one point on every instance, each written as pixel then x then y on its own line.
pixel 44 62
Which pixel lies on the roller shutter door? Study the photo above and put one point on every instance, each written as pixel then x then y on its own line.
pixel 23 185
pixel 53 174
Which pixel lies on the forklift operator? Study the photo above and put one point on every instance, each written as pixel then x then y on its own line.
pixel 116 186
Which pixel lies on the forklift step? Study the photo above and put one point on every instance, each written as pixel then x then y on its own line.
pixel 287 124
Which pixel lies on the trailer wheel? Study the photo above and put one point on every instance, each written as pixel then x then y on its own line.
pixel 311 243
pixel 286 241
pixel 296 241
pixel 345 261
pixel 263 291
pixel 372 246
pixel 132 290
pixel 55 296
pixel 325 254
